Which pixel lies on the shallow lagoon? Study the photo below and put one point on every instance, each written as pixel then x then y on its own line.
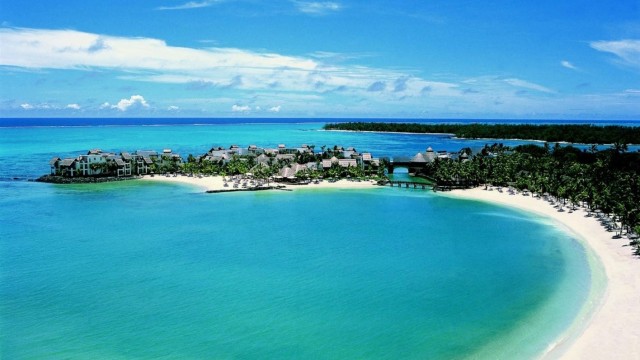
pixel 137 270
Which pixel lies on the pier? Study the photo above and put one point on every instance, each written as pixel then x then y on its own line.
pixel 409 184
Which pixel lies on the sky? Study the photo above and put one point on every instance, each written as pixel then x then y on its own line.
pixel 493 59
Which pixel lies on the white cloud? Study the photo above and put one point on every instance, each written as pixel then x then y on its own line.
pixel 317 7
pixel 73 106
pixel 42 106
pixel 152 60
pixel 627 51
pixel 275 109
pixel 235 76
pixel 527 85
pixel 69 49
pixel 240 108
pixel 173 108
pixel 135 101
pixel 568 65
pixel 190 5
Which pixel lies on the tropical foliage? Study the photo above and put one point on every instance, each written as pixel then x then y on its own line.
pixel 245 164
pixel 572 133
pixel 607 181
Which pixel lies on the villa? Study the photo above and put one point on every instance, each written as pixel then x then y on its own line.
pixel 99 163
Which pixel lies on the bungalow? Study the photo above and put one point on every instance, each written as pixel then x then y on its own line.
pixel 218 157
pixel 67 167
pixel 54 164
pixel 253 149
pixel 327 163
pixel 286 157
pixel 263 159
pixel 419 159
pixel 291 172
pixel 347 162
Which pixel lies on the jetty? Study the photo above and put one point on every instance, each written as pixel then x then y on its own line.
pixel 409 184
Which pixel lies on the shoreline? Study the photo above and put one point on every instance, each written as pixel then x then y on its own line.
pixel 608 326
pixel 215 184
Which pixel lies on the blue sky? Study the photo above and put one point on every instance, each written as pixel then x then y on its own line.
pixel 576 59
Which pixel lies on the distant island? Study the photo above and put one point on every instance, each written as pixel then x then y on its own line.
pixel 583 134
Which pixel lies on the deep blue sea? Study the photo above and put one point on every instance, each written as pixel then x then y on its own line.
pixel 137 270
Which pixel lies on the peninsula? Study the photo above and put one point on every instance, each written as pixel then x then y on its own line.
pixel 584 134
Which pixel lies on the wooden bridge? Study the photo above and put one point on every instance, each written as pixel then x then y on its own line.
pixel 409 184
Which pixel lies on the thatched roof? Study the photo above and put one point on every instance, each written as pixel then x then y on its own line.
pixel 285 156
pixel 262 159
pixel 430 156
pixel 347 162
pixel 418 158
pixel 67 162
pixel 287 172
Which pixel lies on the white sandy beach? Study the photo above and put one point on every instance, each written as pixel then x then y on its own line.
pixel 216 183
pixel 612 329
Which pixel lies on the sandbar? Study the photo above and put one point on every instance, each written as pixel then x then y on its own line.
pixel 612 328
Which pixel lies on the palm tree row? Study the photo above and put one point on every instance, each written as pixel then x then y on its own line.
pixel 605 181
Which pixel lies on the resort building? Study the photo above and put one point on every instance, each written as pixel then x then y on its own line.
pixel 289 162
pixel 99 163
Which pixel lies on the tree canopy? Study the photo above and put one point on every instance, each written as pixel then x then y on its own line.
pixel 573 133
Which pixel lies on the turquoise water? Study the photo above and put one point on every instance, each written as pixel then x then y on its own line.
pixel 139 271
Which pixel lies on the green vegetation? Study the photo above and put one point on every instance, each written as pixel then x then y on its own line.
pixel 243 164
pixel 606 181
pixel 583 134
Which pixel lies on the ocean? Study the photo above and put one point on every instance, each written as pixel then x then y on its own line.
pixel 136 270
